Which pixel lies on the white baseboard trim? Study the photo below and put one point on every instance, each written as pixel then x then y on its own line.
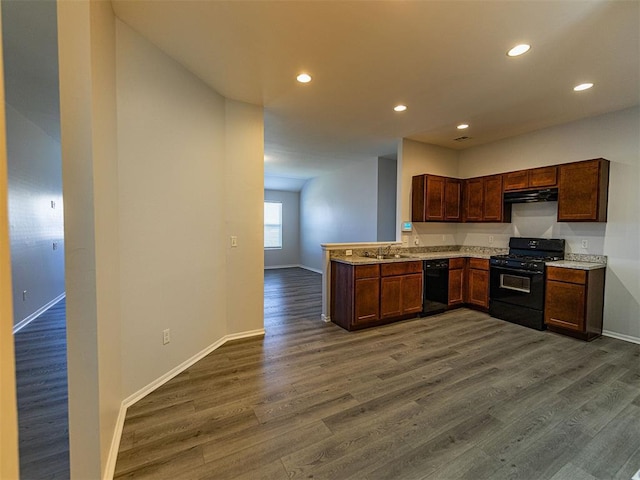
pixel 315 270
pixel 110 466
pixel 620 336
pixel 274 267
pixel 325 318
pixel 23 323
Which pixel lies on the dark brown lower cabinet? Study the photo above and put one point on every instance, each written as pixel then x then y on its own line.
pixel 478 283
pixel 574 302
pixel 456 281
pixel 367 295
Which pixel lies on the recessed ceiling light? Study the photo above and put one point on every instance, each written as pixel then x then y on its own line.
pixel 519 50
pixel 462 126
pixel 304 78
pixel 582 86
pixel 400 108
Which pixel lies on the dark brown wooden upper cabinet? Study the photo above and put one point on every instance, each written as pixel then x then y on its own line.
pixel 493 204
pixel 417 198
pixel 452 200
pixel 435 199
pixel 583 189
pixel 473 199
pixel 516 180
pixel 542 177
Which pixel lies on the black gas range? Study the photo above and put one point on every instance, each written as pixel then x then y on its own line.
pixel 516 286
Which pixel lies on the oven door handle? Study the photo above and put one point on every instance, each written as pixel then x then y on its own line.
pixel 516 270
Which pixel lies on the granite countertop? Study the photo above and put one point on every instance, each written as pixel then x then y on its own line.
pixel 576 265
pixel 574 261
pixel 407 257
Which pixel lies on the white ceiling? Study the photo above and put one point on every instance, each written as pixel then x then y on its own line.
pixel 444 59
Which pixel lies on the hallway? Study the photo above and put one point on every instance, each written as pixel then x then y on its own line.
pixel 41 378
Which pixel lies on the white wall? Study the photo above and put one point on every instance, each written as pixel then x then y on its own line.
pixel 387 195
pixel 190 175
pixel 416 158
pixel 338 207
pixel 87 114
pixel 289 254
pixel 613 136
pixel 35 180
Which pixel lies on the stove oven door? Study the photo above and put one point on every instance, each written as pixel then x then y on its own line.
pixel 517 296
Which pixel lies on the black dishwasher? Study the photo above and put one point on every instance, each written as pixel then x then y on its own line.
pixel 435 295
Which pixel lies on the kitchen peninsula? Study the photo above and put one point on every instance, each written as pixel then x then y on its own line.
pixel 371 284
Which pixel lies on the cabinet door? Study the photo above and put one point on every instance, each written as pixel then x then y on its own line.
pixel 582 191
pixel 493 199
pixel 456 289
pixel 367 300
pixel 473 199
pixel 452 200
pixel 390 297
pixel 417 198
pixel 543 177
pixel 479 287
pixel 412 293
pixel 564 305
pixel 434 199
pixel 516 180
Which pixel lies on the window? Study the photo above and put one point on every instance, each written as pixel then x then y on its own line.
pixel 272 225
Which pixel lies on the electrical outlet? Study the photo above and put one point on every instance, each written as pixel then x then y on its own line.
pixel 416 240
pixel 585 243
pixel 55 245
pixel 166 336
pixel 348 253
pixel 405 242
pixel 234 241
pixel 53 204
pixel 490 239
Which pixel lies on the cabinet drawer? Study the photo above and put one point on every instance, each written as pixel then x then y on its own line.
pixel 567 275
pixel 367 271
pixel 479 263
pixel 543 177
pixel 400 268
pixel 456 263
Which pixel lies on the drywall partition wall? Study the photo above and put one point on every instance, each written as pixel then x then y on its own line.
pixel 613 136
pixel 244 209
pixel 416 158
pixel 86 44
pixel 190 176
pixel 33 149
pixel 387 193
pixel 171 167
pixel 9 464
pixel 338 207
pixel 35 215
pixel 289 254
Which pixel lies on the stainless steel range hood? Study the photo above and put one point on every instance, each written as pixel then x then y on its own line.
pixel 530 196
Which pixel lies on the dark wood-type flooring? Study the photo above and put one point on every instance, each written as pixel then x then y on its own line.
pixel 455 396
pixel 41 383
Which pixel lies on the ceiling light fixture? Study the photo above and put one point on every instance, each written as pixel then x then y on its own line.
pixel 462 126
pixel 518 50
pixel 304 78
pixel 582 86
pixel 400 108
